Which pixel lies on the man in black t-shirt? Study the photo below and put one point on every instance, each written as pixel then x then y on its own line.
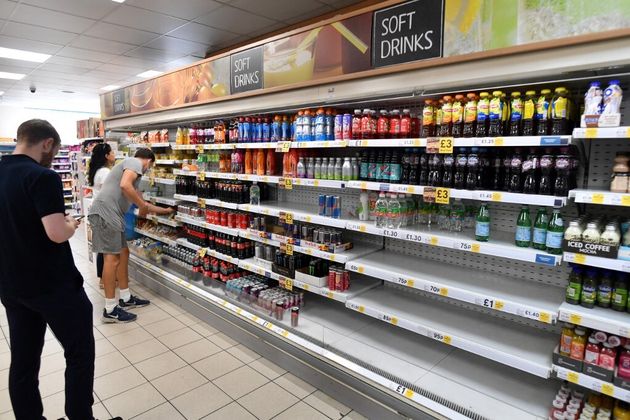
pixel 39 283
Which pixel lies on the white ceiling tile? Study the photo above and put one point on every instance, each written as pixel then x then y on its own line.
pixel 61 68
pixel 143 63
pixel 26 66
pixel 119 33
pixel 73 62
pixel 235 20
pixel 134 17
pixel 93 9
pixel 101 45
pixel 80 53
pixel 201 33
pixel 50 19
pixel 121 70
pixel 26 44
pixel 155 55
pixel 309 15
pixel 37 33
pixel 6 7
pixel 168 43
pixel 181 62
pixel 278 9
pixel 188 9
pixel 11 67
pixel 338 4
pixel 269 29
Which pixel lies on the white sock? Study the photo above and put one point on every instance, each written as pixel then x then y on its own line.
pixel 125 295
pixel 110 304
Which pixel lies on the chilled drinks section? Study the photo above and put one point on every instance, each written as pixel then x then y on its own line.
pixel 388 213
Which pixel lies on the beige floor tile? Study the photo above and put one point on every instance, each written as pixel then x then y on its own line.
pixel 52 363
pixel 243 354
pixel 5 360
pixel 179 382
pixel 353 415
pixel 295 385
pixel 113 329
pixel 267 368
pixel 232 411
pixel 222 340
pixel 144 350
pixel 51 347
pixel 129 338
pixel 179 338
pixel 103 347
pixel 162 412
pixel 54 405
pixel 52 383
pixel 240 381
pixel 5 401
pixel 109 363
pixel 217 365
pixel 327 405
pixel 197 350
pixel 267 401
pixel 135 401
pixel 97 334
pixel 160 365
pixel 4 346
pixel 164 327
pixel 100 412
pixel 204 329
pixel 172 309
pixel 4 379
pixel 201 401
pixel 117 382
pixel 153 316
pixel 301 411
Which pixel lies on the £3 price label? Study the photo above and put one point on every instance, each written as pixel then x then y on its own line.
pixel 201 176
pixel 446 145
pixel 288 248
pixel 202 203
pixel 288 218
pixel 442 195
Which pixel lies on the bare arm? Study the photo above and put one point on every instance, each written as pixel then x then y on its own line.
pixel 130 192
pixel 59 228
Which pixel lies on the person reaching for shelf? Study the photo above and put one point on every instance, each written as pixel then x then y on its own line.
pixel 106 218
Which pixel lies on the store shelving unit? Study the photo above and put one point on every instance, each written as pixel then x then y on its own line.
pixel 606 198
pixel 591 383
pixel 515 141
pixel 602 133
pixel 608 263
pixel 601 319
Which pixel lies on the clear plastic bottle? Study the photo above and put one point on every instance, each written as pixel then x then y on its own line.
pixel 354 162
pixel 330 170
pixel 318 168
pixel 381 211
pixel 346 170
pixel 310 168
pixel 404 210
pixel 339 169
pixel 458 212
pixel 254 194
pixel 412 210
pixel 393 212
pixel 301 168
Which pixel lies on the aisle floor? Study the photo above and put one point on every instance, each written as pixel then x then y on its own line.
pixel 170 365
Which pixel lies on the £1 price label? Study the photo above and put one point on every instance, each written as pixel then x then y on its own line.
pixel 404 391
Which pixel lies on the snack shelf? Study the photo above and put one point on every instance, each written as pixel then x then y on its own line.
pixel 602 319
pixel 589 382
pixel 600 197
pixel 520 347
pixel 159 238
pixel 608 263
pixel 480 195
pixel 501 245
pixel 468 141
pixel 201 223
pixel 491 291
pixel 602 133
pixel 302 213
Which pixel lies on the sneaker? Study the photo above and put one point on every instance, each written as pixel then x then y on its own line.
pixel 133 302
pixel 118 316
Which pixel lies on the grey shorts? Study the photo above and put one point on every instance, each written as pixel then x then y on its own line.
pixel 105 238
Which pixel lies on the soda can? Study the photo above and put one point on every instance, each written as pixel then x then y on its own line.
pixel 260 251
pixel 346 279
pixel 255 223
pixel 322 205
pixel 339 127
pixel 262 223
pixel 336 209
pixel 331 278
pixel 346 130
pixel 295 314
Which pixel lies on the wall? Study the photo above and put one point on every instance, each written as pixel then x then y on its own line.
pixel 64 121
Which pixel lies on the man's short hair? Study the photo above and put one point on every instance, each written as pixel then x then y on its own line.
pixel 33 132
pixel 145 153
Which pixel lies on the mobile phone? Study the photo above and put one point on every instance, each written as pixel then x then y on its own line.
pixel 78 217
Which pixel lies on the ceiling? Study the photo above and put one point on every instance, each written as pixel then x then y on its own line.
pixel 95 43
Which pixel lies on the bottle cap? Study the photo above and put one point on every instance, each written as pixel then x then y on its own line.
pixel 515 94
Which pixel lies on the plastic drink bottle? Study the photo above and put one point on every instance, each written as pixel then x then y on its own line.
pixel 483 115
pixel 516 114
pixel 254 194
pixel 380 210
pixel 529 109
pixel 393 212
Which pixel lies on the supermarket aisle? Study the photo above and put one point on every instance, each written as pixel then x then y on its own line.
pixel 170 366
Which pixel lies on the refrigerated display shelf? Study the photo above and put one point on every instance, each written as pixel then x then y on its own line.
pixel 602 133
pixel 600 197
pixel 300 212
pixel 601 319
pixel 171 242
pixel 589 382
pixel 501 245
pixel 608 263
pixel 513 141
pixel 492 291
pixel 523 348
pixel 213 146
pixel 162 200
pixel 207 201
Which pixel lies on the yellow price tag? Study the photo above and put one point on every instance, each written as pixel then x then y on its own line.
pixel 306 287
pixel 316 183
pixel 597 198
pixel 332 257
pixel 394 320
pixel 579 259
pixel 409 393
pixel 410 189
pixel 475 248
pixel 498 141
pixel 202 203
pixel 288 284
pixel 285 333
pixel 330 295
pixel 288 183
pixel 361 269
pixel 446 145
pixel 288 249
pixel 286 146
pixel 545 317
pixel 498 305
pixel 573 377
pixel 625 200
pixel 591 133
pixel 199 148
pixel 201 176
pixel 239 311
pixel 575 319
pixel 444 291
pixel 608 389
pixel 433 241
pixel 442 195
pixel 288 218
pixel 410 283
pixel 254 318
pixel 447 339
pixel 202 252
pixel 362 228
pixel 363 185
pixel 496 196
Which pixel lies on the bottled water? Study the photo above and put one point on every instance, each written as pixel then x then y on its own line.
pixel 458 212
pixel 381 211
pixel 404 210
pixel 393 212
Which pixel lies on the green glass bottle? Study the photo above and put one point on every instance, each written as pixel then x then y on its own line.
pixel 574 288
pixel 555 233
pixel 524 228
pixel 539 239
pixel 482 224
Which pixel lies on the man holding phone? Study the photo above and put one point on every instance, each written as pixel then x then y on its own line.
pixel 107 212
pixel 39 283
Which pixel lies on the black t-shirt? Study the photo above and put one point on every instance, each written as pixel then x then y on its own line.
pixel 30 263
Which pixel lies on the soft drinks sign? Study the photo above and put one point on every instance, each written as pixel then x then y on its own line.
pixel 407 32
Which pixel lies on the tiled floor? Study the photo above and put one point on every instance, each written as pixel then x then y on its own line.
pixel 169 365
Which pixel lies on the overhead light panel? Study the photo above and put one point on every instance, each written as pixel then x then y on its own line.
pixel 14 54
pixel 1 92
pixel 12 76
pixel 110 87
pixel 149 73
pixel 119 1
